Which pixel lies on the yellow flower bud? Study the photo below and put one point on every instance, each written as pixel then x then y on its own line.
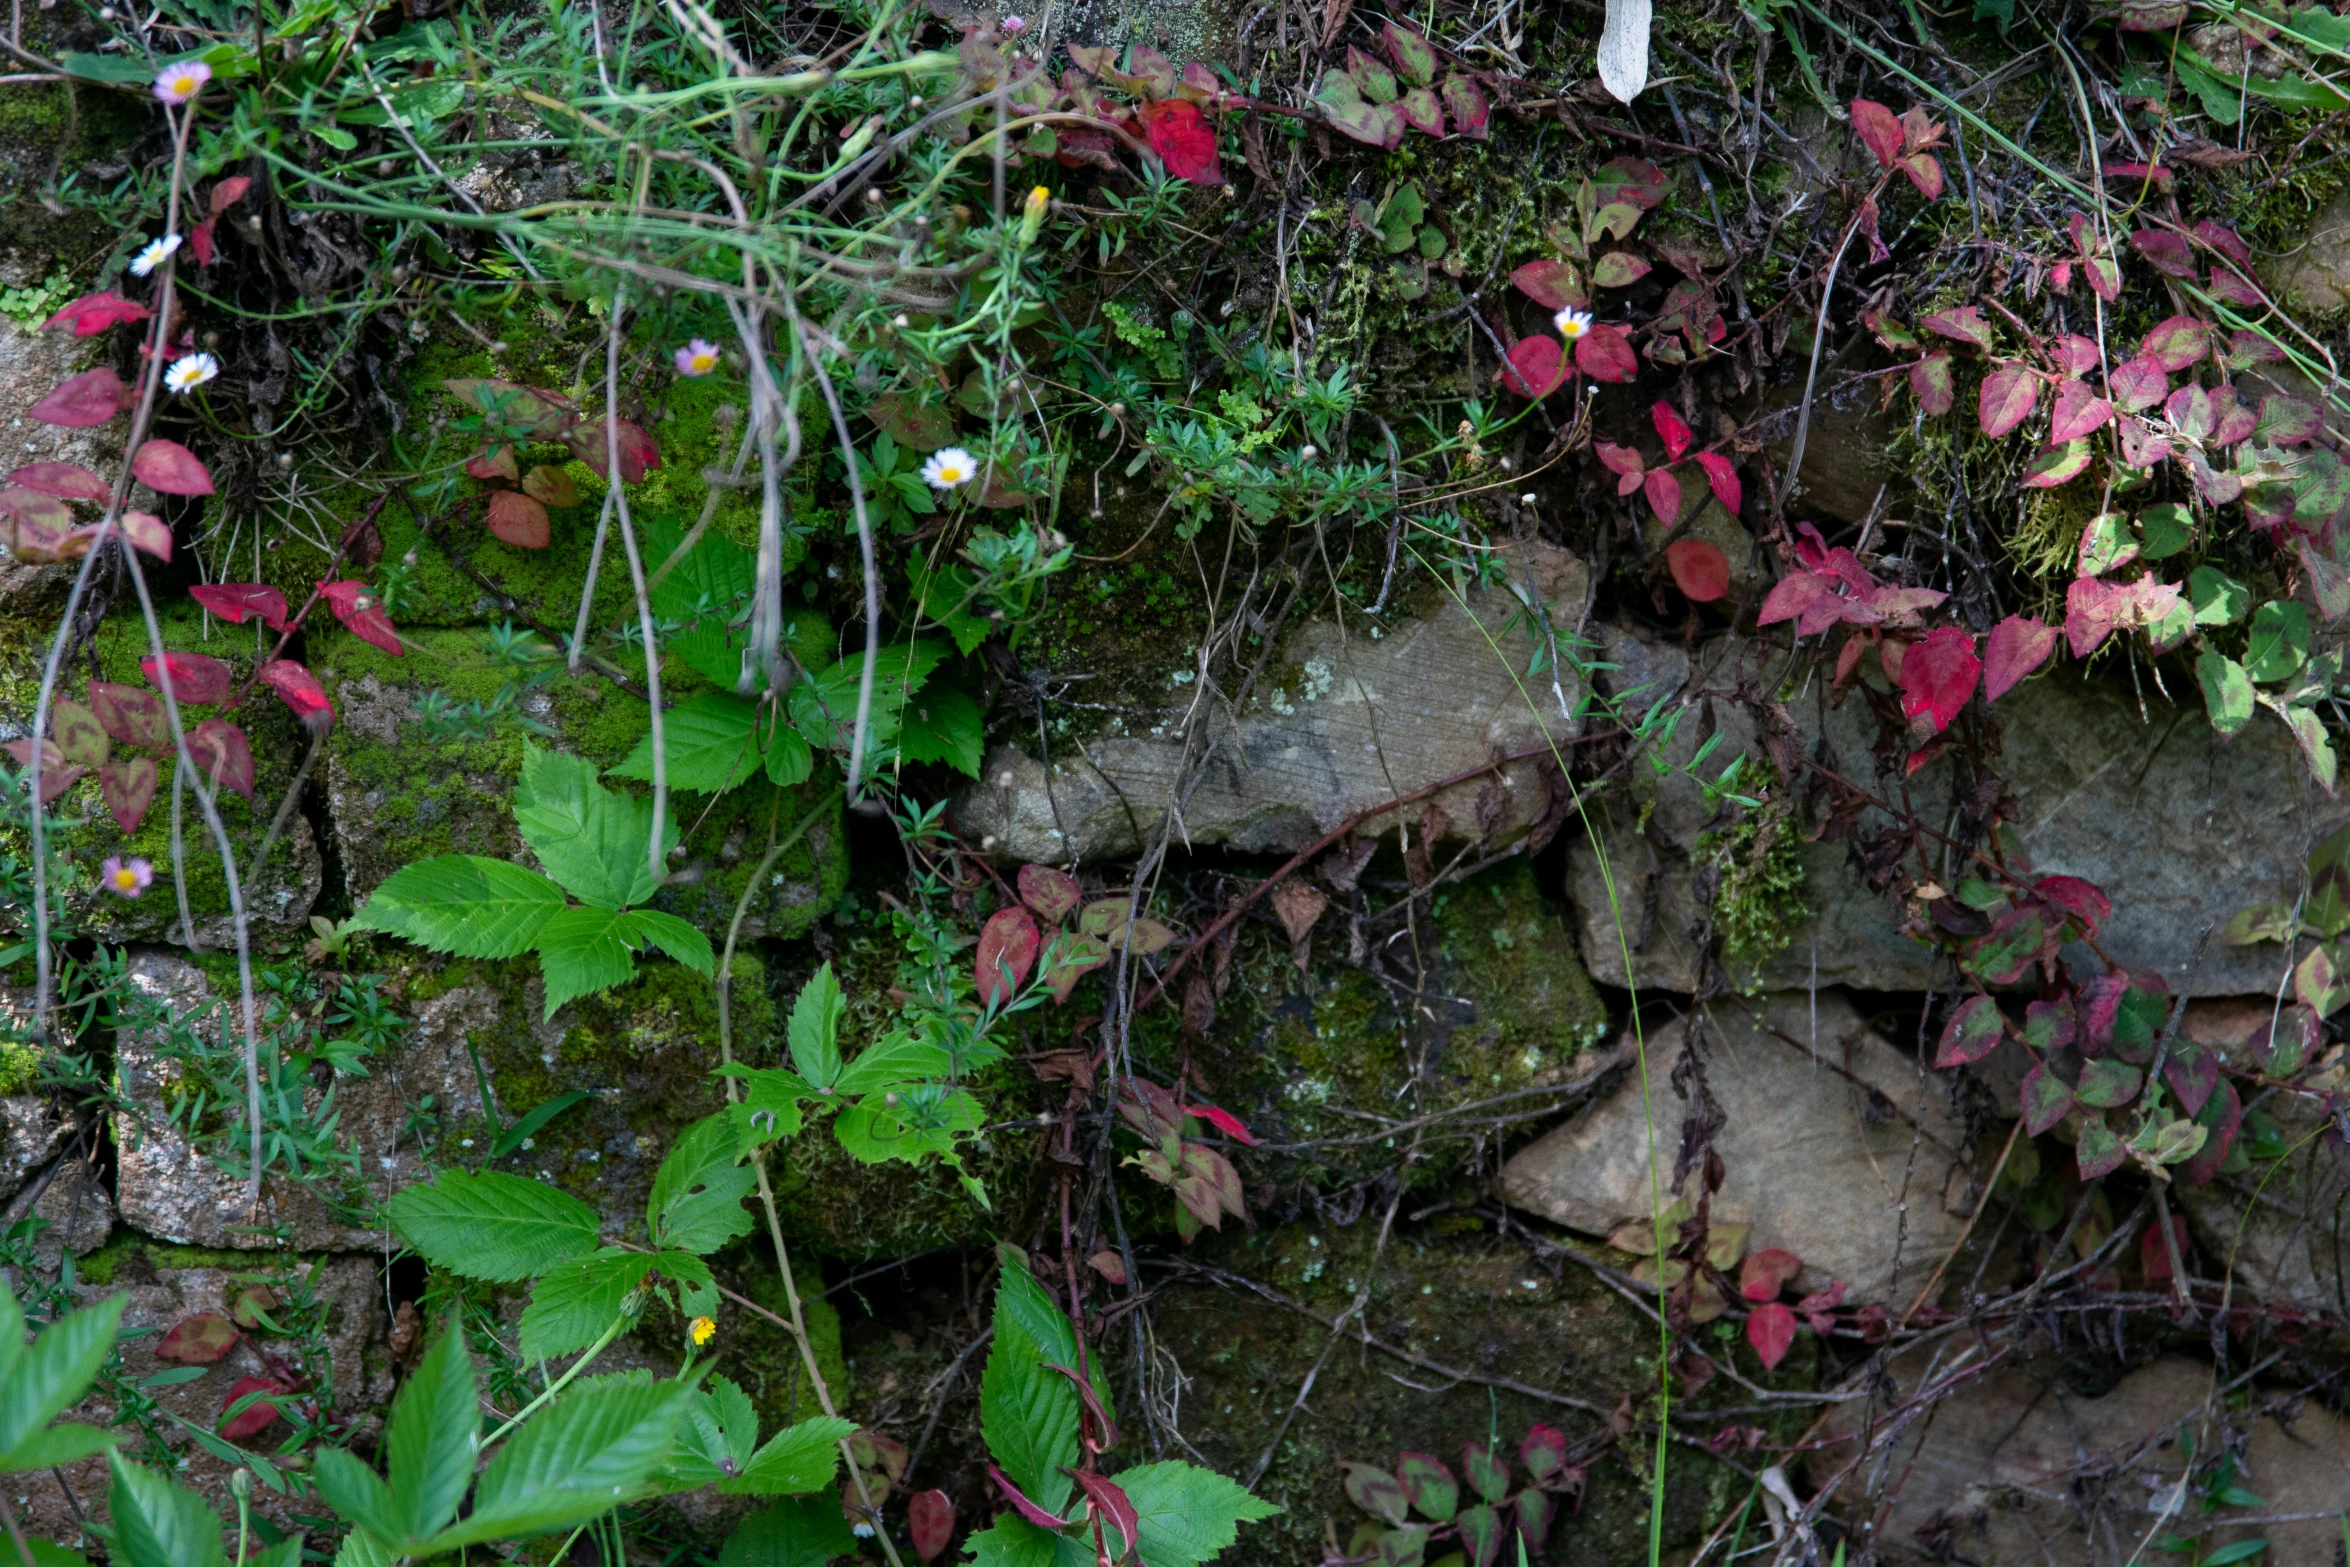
pixel 1032 214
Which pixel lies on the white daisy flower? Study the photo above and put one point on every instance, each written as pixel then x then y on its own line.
pixel 178 83
pixel 153 256
pixel 190 371
pixel 1572 323
pixel 949 467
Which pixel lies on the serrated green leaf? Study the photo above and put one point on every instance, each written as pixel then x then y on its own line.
pixel 158 1523
pixel 572 1306
pixel 697 1198
pixel 1187 1513
pixel 587 1454
pixel 943 724
pixel 434 1436
pixel 675 937
pixel 717 1437
pixel 361 1549
pixel 359 1494
pixel 583 951
pixel 806 1531
pixel 56 1445
pixel 465 904
pixel 896 1057
pixel 796 1459
pixel 789 761
pixel 769 1108
pixel 814 1030
pixel 47 1554
pixel 1015 1542
pixel 491 1226
pixel 1029 1415
pixel 925 1122
pixel 49 1377
pixel 590 838
pixel 712 745
pixel 824 706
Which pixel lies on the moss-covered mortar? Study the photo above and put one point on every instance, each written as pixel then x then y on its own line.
pixel 1451 1295
pixel 398 794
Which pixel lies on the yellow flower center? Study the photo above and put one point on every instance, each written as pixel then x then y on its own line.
pixel 704 361
pixel 126 878
pixel 950 473
pixel 1571 330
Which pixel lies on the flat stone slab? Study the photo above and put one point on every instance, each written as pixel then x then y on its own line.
pixel 1854 1164
pixel 1343 723
pixel 2180 828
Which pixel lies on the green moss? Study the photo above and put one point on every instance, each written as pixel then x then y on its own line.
pixel 20 1063
pixel 1758 903
pixel 129 1250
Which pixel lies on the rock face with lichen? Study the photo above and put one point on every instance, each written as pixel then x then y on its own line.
pixel 1344 720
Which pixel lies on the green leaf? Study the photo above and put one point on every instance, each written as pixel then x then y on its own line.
pixel 2279 641
pixel 824 706
pixel 361 1549
pixel 359 1494
pixel 49 1377
pixel 583 951
pixel 434 1436
pixel 789 761
pixel 1029 1414
pixel 1188 1513
pixel 2240 1551
pixel 589 838
pixel 46 1554
pixel 2227 691
pixel 2219 599
pixel 114 69
pixel 572 1306
pixel 949 598
pixel 675 937
pixel 584 1456
pixel 2164 530
pixel 712 743
pixel 806 1531
pixel 797 1459
pixel 158 1523
pixel 466 904
pixel 47 1449
pixel 492 1226
pixel 697 1198
pixel 814 1032
pixel 1015 1542
pixel 717 1437
pixel 538 1116
pixel 926 1121
pixel 769 1108
pixel 896 1057
pixel 943 724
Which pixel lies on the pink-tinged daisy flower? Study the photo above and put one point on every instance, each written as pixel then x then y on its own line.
pixel 125 878
pixel 178 83
pixel 697 358
pixel 1015 23
pixel 154 255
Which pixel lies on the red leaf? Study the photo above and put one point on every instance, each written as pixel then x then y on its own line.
pixel 495 463
pixel 195 677
pixel 1551 284
pixel 1723 478
pixel 2008 396
pixel 2084 901
pixel 227 193
pixel 234 601
pixel 1933 384
pixel 930 1518
pixel 170 468
pixel 1699 570
pixel 1664 495
pixel 1925 172
pixel 1112 1505
pixel 1623 461
pixel 1184 140
pixel 1669 429
pixel 1464 104
pixel 261 1416
pixel 201 1340
pixel 1938 675
pixel 1771 1330
pixel 200 242
pixel 222 756
pixel 2139 173
pixel 1223 1121
pixel 146 531
pixel 2138 384
pixel 1879 129
pixel 2017 646
pixel 362 614
pixel 1964 324
pixel 638 454
pixel 1007 951
pixel 2164 251
pixel 1054 895
pixel 2078 411
pixel 301 691
pixel 1604 354
pixel 2154 1253
pixel 85 401
pixel 131 716
pixel 1973 1032
pixel 1020 1502
pixel 2076 355
pixel 57 774
pixel 2176 344
pixel 518 520
pixel 94 313
pixel 2044 1099
pixel 1765 1273
pixel 70 480
pixel 1535 369
pixel 2091 608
